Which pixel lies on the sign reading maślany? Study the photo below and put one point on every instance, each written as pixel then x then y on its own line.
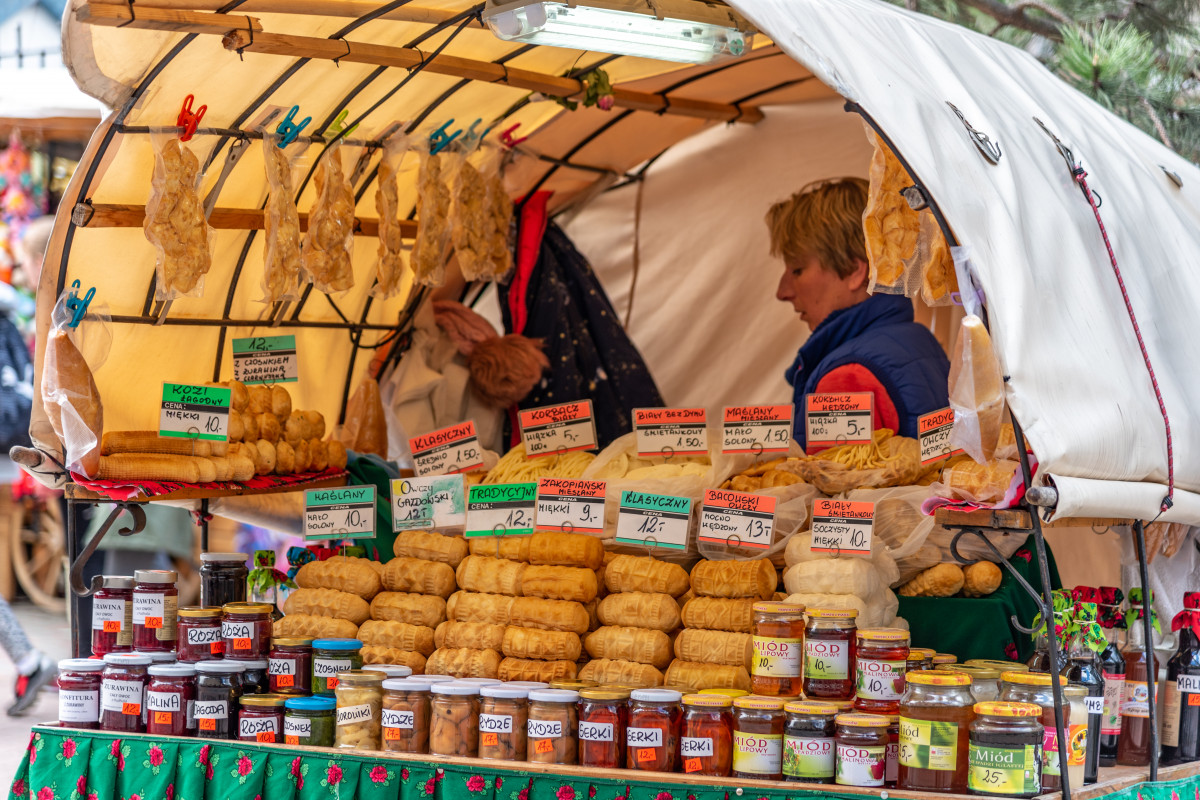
pixel 560 429
pixel 450 450
pixel 842 526
pixel 756 429
pixel 265 359
pixel 194 412
pixel 347 513
pixel 933 430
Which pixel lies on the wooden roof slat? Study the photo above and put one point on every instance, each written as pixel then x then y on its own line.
pixel 353 9
pixel 122 215
pixel 161 19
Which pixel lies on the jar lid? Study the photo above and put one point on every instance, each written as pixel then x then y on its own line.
pixel 127 659
pixel 198 612
pixel 261 700
pixel 574 685
pixel 1074 691
pixel 937 677
pixel 1002 708
pixel 707 700
pixel 551 695
pixel 760 703
pixel 207 557
pixel 883 634
pixel 528 684
pixel 362 678
pixel 253 663
pixel 833 613
pixel 416 683
pixel 812 707
pixel 862 720
pixel 777 607
pixel 338 644
pixel 155 575
pixel 480 681
pixel 389 670
pixel 158 656
pixel 503 691
pixel 455 688
pixel 732 694
pixel 172 670
pixel 656 695
pixel 1031 678
pixel 438 678
pixel 926 652
pixel 914 658
pixel 219 667
pixel 604 693
pixel 116 582
pixel 80 665
pixel 1003 666
pixel 314 703
pixel 945 658
pixel 247 608
pixel 976 673
pixel 293 641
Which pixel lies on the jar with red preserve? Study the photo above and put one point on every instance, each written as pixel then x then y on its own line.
pixel 778 666
pixel 155 606
pixel 79 693
pixel 169 698
pixel 289 665
pixel 246 629
pixel 200 635
pixel 881 662
pixel 112 615
pixel 261 718
pixel 829 653
pixel 603 717
pixel 652 737
pixel 706 735
pixel 123 692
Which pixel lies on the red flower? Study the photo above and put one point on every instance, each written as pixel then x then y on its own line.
pixel 68 748
pixel 429 784
pixel 245 766
pixel 663 796
pixel 500 782
pixel 208 773
pixel 296 766
pixel 81 785
pixel 203 753
pixel 605 102
pixel 156 755
pixel 476 783
pixel 1010 650
pixel 691 797
pixel 18 787
pixel 333 775
pixel 299 783
pixel 565 793
pixel 92 796
pixel 170 791
pixel 523 794
pixel 404 775
pixel 135 797
pixel 592 793
pixel 378 774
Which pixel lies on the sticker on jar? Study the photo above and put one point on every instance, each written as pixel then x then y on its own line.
pixel 1051 760
pixel 1135 701
pixel 775 657
pixel 1114 689
pixel 252 728
pixel 826 660
pixel 892 770
pixel 240 633
pixel 330 667
pixel 643 737
pixel 1076 744
pixel 78 706
pixel 348 715
pixel 926 744
pixel 203 636
pixel 281 666
pixel 861 766
pixel 543 729
pixel 108 615
pixel 1003 770
pixel 807 758
pixel 1094 705
pixel 757 753
pixel 696 747
pixel 880 680
pixel 164 701
pixel 117 695
pixel 400 719
pixel 209 711
pixel 295 728
pixel 149 609
pixel 495 723
pixel 595 731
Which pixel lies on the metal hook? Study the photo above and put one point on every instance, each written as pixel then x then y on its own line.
pixel 990 149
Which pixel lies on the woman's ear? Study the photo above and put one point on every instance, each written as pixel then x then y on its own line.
pixel 857 280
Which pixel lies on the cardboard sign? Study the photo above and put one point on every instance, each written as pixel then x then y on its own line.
pixel 933 430
pixel 841 418
pixel 558 429
pixel 737 519
pixel 347 513
pixel 445 452
pixel 670 432
pixel 575 506
pixel 843 527
pixel 194 412
pixel 434 502
pixel 265 359
pixel 501 509
pixel 756 429
pixel 654 520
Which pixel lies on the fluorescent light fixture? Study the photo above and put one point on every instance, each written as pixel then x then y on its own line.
pixel 688 31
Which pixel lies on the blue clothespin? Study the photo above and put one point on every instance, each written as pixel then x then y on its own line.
pixel 440 139
pixel 471 138
pixel 289 129
pixel 335 127
pixel 77 307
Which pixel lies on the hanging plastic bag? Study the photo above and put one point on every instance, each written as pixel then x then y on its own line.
pixel 391 269
pixel 939 281
pixel 175 223
pixel 470 222
pixel 500 216
pixel 69 392
pixel 891 226
pixel 433 216
pixel 365 429
pixel 329 245
pixel 976 392
pixel 281 252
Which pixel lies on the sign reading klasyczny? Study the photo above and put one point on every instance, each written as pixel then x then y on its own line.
pixel 572 505
pixel 347 513
pixel 438 501
pixel 842 526
pixel 838 418
pixel 560 429
pixel 737 519
pixel 933 431
pixel 194 412
pixel 501 509
pixel 450 450
pixel 654 520
pixel 670 432
pixel 265 359
pixel 756 429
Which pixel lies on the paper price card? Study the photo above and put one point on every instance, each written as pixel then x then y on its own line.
pixel 347 513
pixel 194 412
pixel 737 519
pixel 575 506
pixel 842 418
pixel 756 429
pixel 670 432
pixel 654 520
pixel 842 526
pixel 450 450
pixel 934 433
pixel 558 429
pixel 265 359
pixel 435 502
pixel 501 509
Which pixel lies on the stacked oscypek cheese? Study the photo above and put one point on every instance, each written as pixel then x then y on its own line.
pixel 333 598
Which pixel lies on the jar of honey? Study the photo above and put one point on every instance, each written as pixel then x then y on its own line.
pixel 880 665
pixel 778 666
pixel 860 749
pixel 758 724
pixel 935 717
pixel 808 741
pixel 829 654
pixel 706 736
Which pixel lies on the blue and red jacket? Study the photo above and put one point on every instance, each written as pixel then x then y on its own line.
pixel 874 346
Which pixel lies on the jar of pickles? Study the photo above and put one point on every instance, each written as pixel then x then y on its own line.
pixel 808 741
pixel 778 666
pixel 123 692
pixel 706 735
pixel 200 634
pixel 652 738
pixel 1005 757
pixel 551 725
pixel 935 717
pixel 218 689
pixel 405 716
pixel 860 749
pixel 261 718
pixel 985 681
pixel 246 629
pixel 289 665
pixel 881 662
pixel 829 653
pixel 309 721
pixel 169 697
pixel 454 719
pixel 503 714
pixel 603 717
pixel 79 693
pixel 112 615
pixel 155 606
pixel 331 656
pixel 758 738
pixel 1037 688
pixel 359 703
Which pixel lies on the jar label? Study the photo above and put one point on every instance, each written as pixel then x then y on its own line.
pixel 119 695
pixel 1051 760
pixel 879 680
pixel 348 715
pixel 543 729
pixel 696 747
pixel 202 636
pixel 330 667
pixel 397 719
pixel 775 657
pixel 191 713
pixel 301 727
pixel 237 630
pixel 1076 744
pixel 108 611
pixel 1003 770
pixel 281 666
pixel 760 753
pixel 826 660
pixel 1171 710
pixel 860 766
pixel 1135 700
pixel 926 744
pixel 892 772
pixel 168 630
pixel 76 706
pixel 595 731
pixel 1114 687
pixel 210 709
pixel 643 737
pixel 164 701
pixel 251 727
pixel 1189 684
pixel 807 757
pixel 148 607
pixel 495 723
pixel 1094 706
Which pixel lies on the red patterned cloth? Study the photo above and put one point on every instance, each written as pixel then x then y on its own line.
pixel 132 490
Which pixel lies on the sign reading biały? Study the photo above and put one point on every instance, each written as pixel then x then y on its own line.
pixel 265 359
pixel 934 433
pixel 450 450
pixel 839 418
pixel 501 509
pixel 558 429
pixel 842 526
pixel 670 432
pixel 437 501
pixel 756 429
pixel 347 513
pixel 654 520
pixel 569 504
pixel 737 519
pixel 194 412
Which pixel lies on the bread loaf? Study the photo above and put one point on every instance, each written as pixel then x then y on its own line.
pixel 645 574
pixel 566 550
pixel 719 614
pixel 479 635
pixel 524 669
pixel 328 603
pixel 315 627
pixel 548 615
pixel 430 547
pixel 623 673
pixel 404 574
pixel 415 609
pixel 640 610
pixel 541 645
pixel 377 654
pixel 627 643
pixel 490 575
pixel 559 583
pixel 343 574
pixel 735 579
pixel 463 662
pixel 696 676
pixel 715 647
pixel 479 607
pixel 398 635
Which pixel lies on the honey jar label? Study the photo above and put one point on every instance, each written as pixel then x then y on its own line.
pixel 108 615
pixel 115 695
pixel 777 658
pixel 879 680
pixel 825 659
pixel 1135 700
pixel 495 723
pixel 398 719
pixel 926 744
pixel 76 706
pixel 807 757
pixel 1003 770
pixel 1051 763
pixel 860 766
pixel 1076 744
pixel 595 731
pixel 1114 689
pixel 760 753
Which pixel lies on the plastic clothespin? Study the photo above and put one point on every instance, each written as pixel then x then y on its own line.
pixel 188 119
pixel 440 139
pixel 335 127
pixel 289 129
pixel 506 137
pixel 471 138
pixel 76 306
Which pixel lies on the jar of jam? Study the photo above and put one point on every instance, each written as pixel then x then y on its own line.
pixel 829 653
pixel 1005 757
pixel 935 717
pixel 393 670
pixel 550 726
pixel 79 693
pixel 246 629
pixel 218 689
pixel 758 738
pixel 808 741
pixel 155 601
pixel 289 665
pixel 454 719
pixel 169 697
pixel 112 615
pixel 330 657
pixel 985 681
pixel 915 662
pixel 706 735
pixel 892 766
pixel 1036 688
pixel 943 660
pixel 254 676
pixel 503 714
pixel 603 718
pixel 359 703
pixel 223 578
pixel 926 656
pixel 778 666
pixel 309 721
pixel 652 737
pixel 881 662
pixel 261 718
pixel 200 634
pixel 860 749
pixel 123 692
pixel 405 716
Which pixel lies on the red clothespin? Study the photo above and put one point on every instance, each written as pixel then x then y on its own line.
pixel 506 137
pixel 188 119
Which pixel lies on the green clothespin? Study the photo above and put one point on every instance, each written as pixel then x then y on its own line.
pixel 335 127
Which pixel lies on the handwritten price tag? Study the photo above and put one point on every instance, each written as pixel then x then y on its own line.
pixel 501 509
pixel 737 519
pixel 450 450
pixel 544 746
pixel 933 431
pixel 265 359
pixel 558 429
pixel 112 626
pixel 576 506
pixel 284 681
pixel 842 526
pixel 194 412
pixel 162 717
pixel 436 502
pixel 131 709
pixel 692 765
pixel 756 429
pixel 489 739
pixel 670 432
pixel 833 419
pixel 340 513
pixel 654 520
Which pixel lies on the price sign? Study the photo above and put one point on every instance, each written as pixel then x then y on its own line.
pixel 833 419
pixel 934 433
pixel 670 432
pixel 502 509
pixel 842 526
pixel 654 520
pixel 265 359
pixel 194 412
pixel 737 519
pixel 558 429
pixel 347 513
pixel 450 450
pixel 756 429
pixel 434 502
pixel 575 506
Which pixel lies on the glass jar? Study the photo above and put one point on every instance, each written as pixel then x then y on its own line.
pixel 758 738
pixel 881 662
pixel 246 629
pixel 603 717
pixel 155 601
pixel 330 657
pixel 261 718
pixel 359 703
pixel 926 656
pixel 1075 696
pixel 454 719
pixel 254 676
pixel 732 694
pixel 1006 750
pixel 123 692
pixel 999 666
pixel 943 660
pixel 200 634
pixel 405 716
pixel 829 653
pixel 706 735
pixel 891 771
pixel 652 737
pixel 935 717
pixel 289 665
pixel 309 721
pixel 808 741
pixel 985 681
pixel 79 693
pixel 392 670
pixel 169 698
pixel 551 725
pixel 1036 688
pixel 914 662
pixel 158 656
pixel 860 749
pixel 572 685
pixel 218 689
pixel 778 666
pixel 112 615
pixel 223 578
pixel 503 714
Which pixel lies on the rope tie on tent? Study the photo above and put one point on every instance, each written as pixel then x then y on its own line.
pixel 250 28
pixel 337 61
pixel 132 15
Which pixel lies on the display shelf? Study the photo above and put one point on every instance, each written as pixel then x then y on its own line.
pixel 193 491
pixel 1016 519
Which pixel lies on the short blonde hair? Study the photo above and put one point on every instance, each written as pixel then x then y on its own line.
pixel 823 219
